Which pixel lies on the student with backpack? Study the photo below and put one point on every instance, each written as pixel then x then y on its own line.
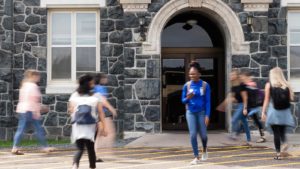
pixel 276 109
pixel 254 102
pixel 196 97
pixel 82 105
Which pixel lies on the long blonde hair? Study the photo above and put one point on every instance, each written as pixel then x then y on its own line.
pixel 28 74
pixel 277 79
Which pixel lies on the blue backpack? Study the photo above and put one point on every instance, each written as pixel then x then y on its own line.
pixel 83 115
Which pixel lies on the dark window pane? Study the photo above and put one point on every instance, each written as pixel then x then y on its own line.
pixel 61 63
pixel 86 58
pixel 295 57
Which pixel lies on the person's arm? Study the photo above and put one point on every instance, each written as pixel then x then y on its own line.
pixel 266 101
pixel 107 105
pixel 244 95
pixel 207 104
pixel 184 98
pixel 102 119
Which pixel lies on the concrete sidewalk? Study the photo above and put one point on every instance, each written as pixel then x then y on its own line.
pixel 215 138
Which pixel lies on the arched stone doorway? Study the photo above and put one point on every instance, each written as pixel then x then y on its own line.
pixel 191 36
pixel 216 10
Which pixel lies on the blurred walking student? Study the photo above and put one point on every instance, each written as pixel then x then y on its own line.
pixel 196 97
pixel 29 110
pixel 82 105
pixel 110 113
pixel 239 93
pixel 276 110
pixel 254 102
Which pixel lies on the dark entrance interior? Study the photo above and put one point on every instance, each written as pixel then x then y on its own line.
pixel 191 36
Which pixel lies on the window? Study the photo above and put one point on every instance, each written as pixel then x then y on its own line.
pixel 294 48
pixel 73 45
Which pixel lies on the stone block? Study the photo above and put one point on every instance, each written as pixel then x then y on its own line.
pixel 5 75
pixel 131 20
pixel 55 131
pixel 117 68
pixel 48 99
pixel 3 87
pixel 115 12
pixel 67 130
pixel 263 46
pixel 112 80
pixel 5 60
pixel 134 73
pixel 31 38
pixel 19 7
pixel 106 50
pixel 51 119
pixel 260 24
pixel 132 106
pixel 21 26
pixel 63 98
pixel 103 37
pixel 153 67
pixel 129 57
pixel 119 93
pixel 40 11
pixel 3 108
pixel 7 23
pixel 127 35
pixel 277 26
pixel 32 2
pixel 146 127
pixel 120 25
pixel 42 64
pixel 261 58
pixel 154 7
pixel 116 37
pixel 148 89
pixel 32 19
pixel 40 52
pixel 240 61
pixel 279 51
pixel 128 92
pixel 282 62
pixel 107 25
pixel 61 106
pixel 30 62
pixel 39 28
pixel 141 63
pixel 274 40
pixel 128 122
pixel 118 50
pixel 152 113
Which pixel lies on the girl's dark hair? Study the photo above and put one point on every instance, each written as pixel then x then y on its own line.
pixel 84 84
pixel 195 65
pixel 98 77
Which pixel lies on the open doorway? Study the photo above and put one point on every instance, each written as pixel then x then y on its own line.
pixel 191 36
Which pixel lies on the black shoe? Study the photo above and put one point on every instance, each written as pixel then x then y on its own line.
pixel 99 160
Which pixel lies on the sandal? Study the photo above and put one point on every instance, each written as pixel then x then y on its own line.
pixel 278 157
pixel 17 152
pixel 261 140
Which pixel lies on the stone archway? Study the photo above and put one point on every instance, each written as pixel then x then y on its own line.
pixel 217 9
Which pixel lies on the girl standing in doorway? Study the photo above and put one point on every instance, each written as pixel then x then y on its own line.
pixel 276 109
pixel 196 97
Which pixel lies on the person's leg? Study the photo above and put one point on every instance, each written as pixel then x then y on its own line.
pixel 22 124
pixel 236 118
pixel 80 149
pixel 40 133
pixel 246 127
pixel 192 125
pixel 203 133
pixel 276 132
pixel 91 153
pixel 282 133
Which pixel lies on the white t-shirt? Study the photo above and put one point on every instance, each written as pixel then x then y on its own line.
pixel 84 131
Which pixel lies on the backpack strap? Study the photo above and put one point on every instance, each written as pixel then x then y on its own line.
pixel 188 86
pixel 204 86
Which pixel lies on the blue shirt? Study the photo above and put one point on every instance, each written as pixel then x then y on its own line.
pixel 200 101
pixel 103 91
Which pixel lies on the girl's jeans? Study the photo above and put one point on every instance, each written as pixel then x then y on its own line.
pixel 196 124
pixel 24 120
pixel 237 117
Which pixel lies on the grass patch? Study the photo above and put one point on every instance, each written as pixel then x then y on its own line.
pixel 24 143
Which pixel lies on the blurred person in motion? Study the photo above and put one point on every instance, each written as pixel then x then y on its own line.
pixel 110 113
pixel 84 105
pixel 239 95
pixel 196 97
pixel 255 101
pixel 29 110
pixel 276 110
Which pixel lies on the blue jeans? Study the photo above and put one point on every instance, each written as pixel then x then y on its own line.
pixel 237 117
pixel 196 124
pixel 24 120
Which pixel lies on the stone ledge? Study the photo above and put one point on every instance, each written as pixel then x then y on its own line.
pixel 135 5
pixel 256 5
pixel 73 3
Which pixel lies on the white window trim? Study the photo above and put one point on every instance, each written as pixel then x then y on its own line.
pixel 68 86
pixel 73 3
pixel 295 83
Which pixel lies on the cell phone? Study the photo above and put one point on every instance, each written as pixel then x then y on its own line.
pixel 191 91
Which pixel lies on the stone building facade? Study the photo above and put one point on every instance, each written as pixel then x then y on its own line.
pixel 255 34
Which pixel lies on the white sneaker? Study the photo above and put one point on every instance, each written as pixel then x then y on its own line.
pixel 204 156
pixel 195 161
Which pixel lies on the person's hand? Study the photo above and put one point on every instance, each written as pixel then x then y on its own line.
pixel 206 121
pixel 190 95
pixel 263 117
pixel 245 112
pixel 103 131
pixel 114 113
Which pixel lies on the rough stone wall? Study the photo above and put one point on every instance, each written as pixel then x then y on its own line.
pixel 6 48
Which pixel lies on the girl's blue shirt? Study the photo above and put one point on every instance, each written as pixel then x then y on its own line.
pixel 200 101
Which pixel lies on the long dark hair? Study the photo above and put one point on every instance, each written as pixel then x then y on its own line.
pixel 84 84
pixel 195 65
pixel 98 77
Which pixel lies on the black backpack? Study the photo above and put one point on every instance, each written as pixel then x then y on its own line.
pixel 255 96
pixel 280 97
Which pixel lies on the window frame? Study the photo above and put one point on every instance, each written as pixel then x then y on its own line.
pixel 66 86
pixel 295 83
